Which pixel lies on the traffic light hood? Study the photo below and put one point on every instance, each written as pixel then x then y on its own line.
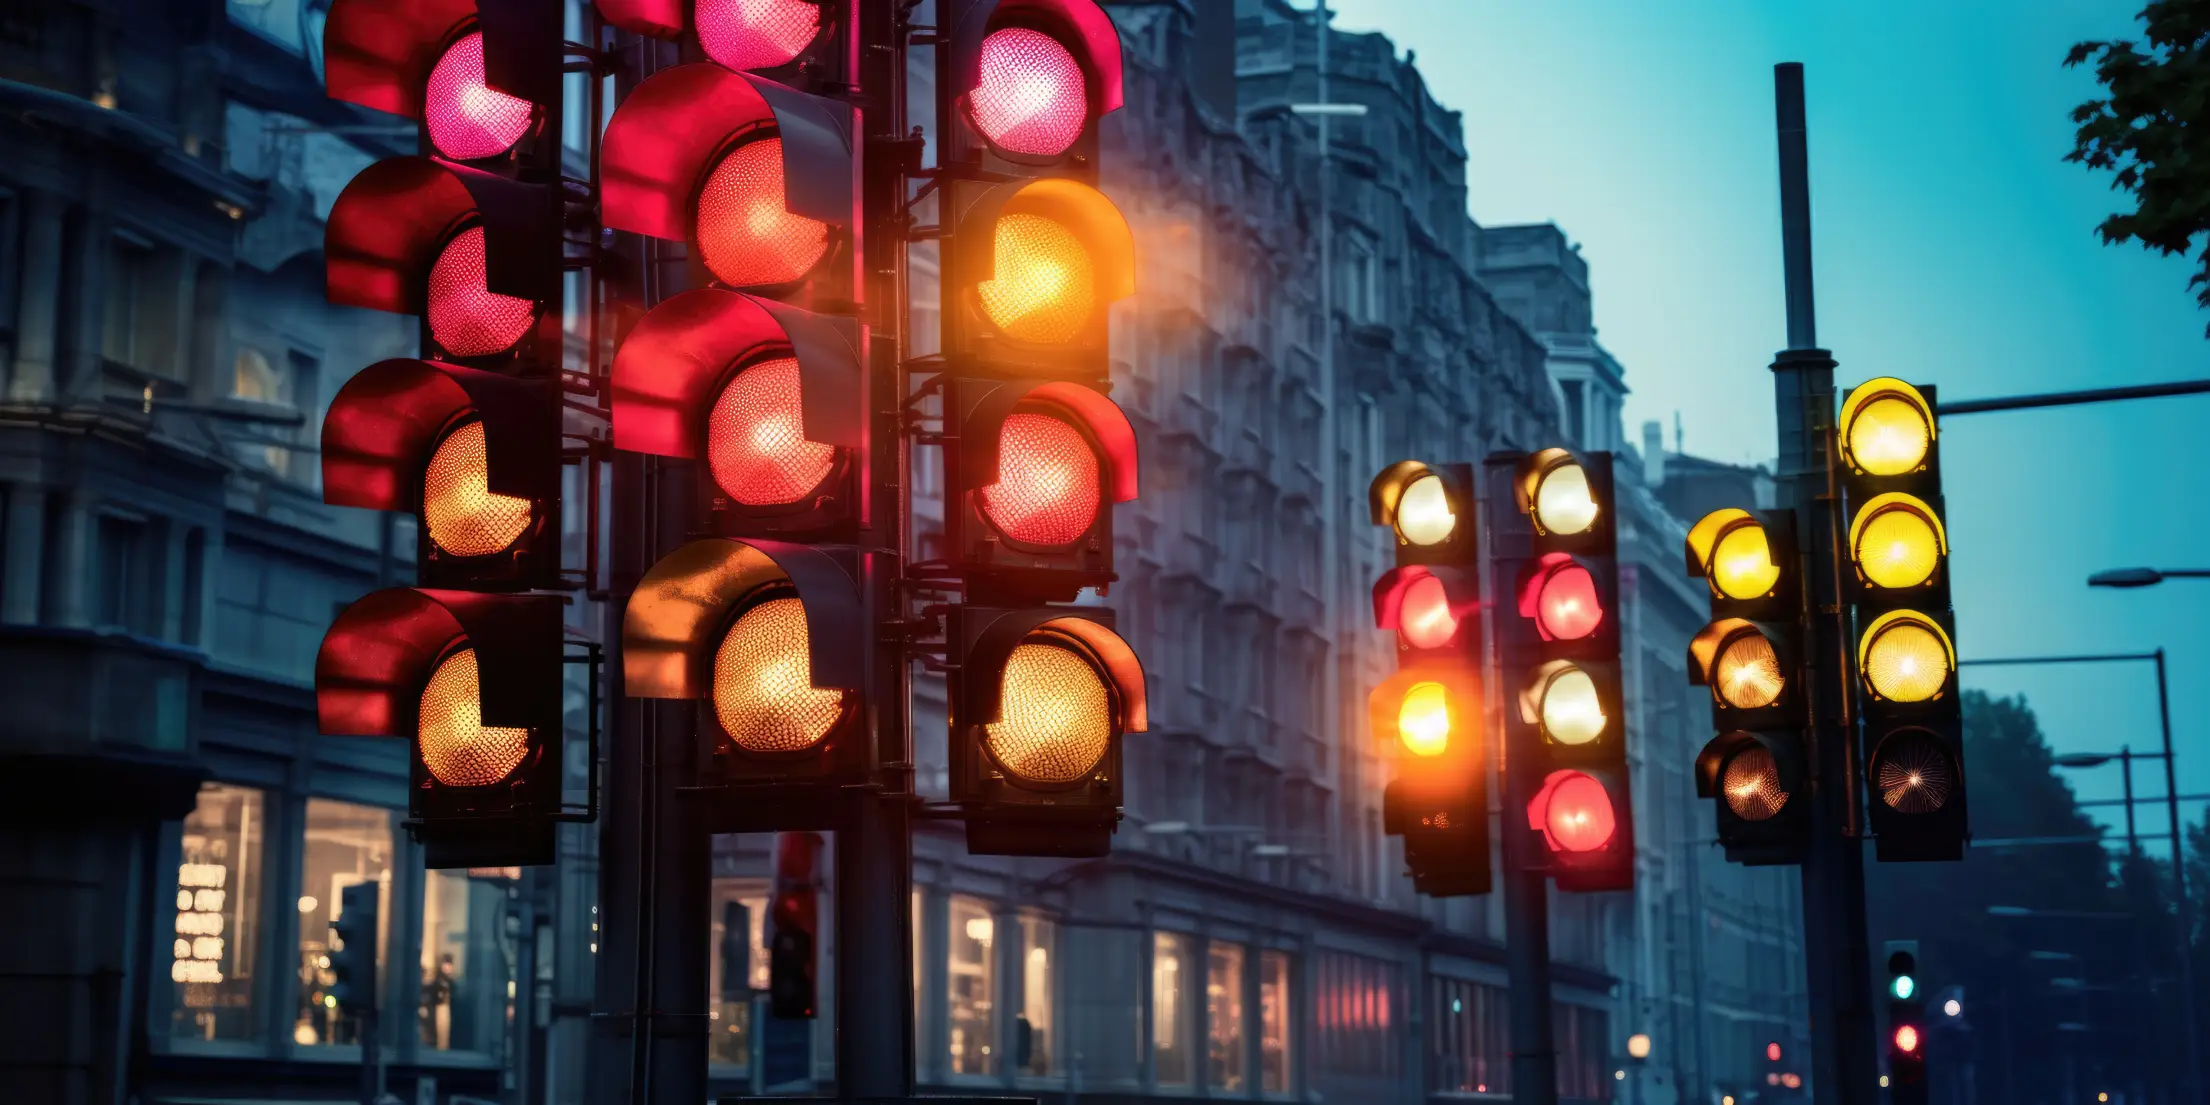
pixel 670 131
pixel 985 662
pixel 1080 25
pixel 388 226
pixel 681 609
pixel 678 357
pixel 385 422
pixel 379 53
pixel 980 438
pixel 379 654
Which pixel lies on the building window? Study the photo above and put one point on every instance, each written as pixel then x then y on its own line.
pixel 970 984
pixel 1584 1045
pixel 1169 1009
pixel 1570 406
pixel 346 845
pixel 218 916
pixel 739 968
pixel 126 599
pixel 1032 1025
pixel 1224 1016
pixel 1273 1022
pixel 254 379
pixel 464 977
pixel 128 279
pixel 1469 1040
pixel 1356 1009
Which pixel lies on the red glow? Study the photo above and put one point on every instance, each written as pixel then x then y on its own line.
pixel 1906 1038
pixel 1047 489
pixel 1568 608
pixel 1772 1051
pixel 1574 811
pixel 467 319
pixel 467 118
pixel 755 34
pixel 746 233
pixel 1030 97
pixel 755 440
pixel 1425 616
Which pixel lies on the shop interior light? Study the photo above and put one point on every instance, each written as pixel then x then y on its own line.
pixel 1030 98
pixel 457 748
pixel 746 234
pixel 1055 716
pixel 467 119
pixel 755 34
pixel 466 318
pixel 1049 487
pixel 763 688
pixel 755 440
pixel 463 515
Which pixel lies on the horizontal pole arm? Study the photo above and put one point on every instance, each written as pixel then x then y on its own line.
pixel 2072 398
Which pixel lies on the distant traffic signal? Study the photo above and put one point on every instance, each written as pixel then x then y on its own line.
pixel 353 948
pixel 1906 1024
pixel 1430 715
pixel 794 927
pixel 1906 656
pixel 1555 538
pixel 1750 656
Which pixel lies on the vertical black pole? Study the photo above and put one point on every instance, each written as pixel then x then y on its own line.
pixel 1838 960
pixel 874 850
pixel 371 1032
pixel 1527 948
pixel 2185 908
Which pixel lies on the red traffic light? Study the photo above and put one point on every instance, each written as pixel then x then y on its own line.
pixel 1772 1051
pixel 1032 473
pixel 1033 74
pixel 1906 1038
pixel 1574 812
pixel 391 666
pixel 1426 605
pixel 478 74
pixel 1562 598
pixel 467 119
pixel 738 34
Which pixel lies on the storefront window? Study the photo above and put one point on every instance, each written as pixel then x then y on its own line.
pixel 970 982
pixel 345 845
pixel 218 911
pixel 739 970
pixel 1224 1016
pixel 1032 1028
pixel 464 965
pixel 1169 1006
pixel 1273 1022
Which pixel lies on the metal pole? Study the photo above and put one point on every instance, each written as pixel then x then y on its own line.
pixel 1838 961
pixel 2179 890
pixel 372 1060
pixel 2133 836
pixel 874 849
pixel 1527 953
pixel 2072 398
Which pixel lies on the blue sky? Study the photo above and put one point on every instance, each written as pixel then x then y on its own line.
pixel 1953 246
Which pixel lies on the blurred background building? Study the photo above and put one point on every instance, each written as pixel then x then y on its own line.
pixel 169 569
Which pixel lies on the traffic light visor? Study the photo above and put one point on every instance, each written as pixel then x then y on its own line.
pixel 1905 656
pixel 1731 550
pixel 681 630
pixel 1887 428
pixel 763 689
pixel 386 668
pixel 1056 712
pixel 457 748
pixel 1913 772
pixel 398 436
pixel 1897 542
pixel 1563 699
pixel 1574 812
pixel 398 238
pixel 427 59
pixel 462 514
pixel 467 119
pixel 756 34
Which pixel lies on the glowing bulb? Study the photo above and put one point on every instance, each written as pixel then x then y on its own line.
pixel 1424 516
pixel 1563 502
pixel 1897 547
pixel 1889 437
pixel 1423 721
pixel 1905 661
pixel 1424 615
pixel 1906 1038
pixel 1742 563
pixel 1572 713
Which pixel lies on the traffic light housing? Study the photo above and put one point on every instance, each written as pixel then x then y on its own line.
pixel 794 927
pixel 1554 538
pixel 1430 715
pixel 353 960
pixel 1035 467
pixel 1750 657
pixel 473 682
pixel 802 43
pixel 1028 79
pixel 1041 699
pixel 1905 655
pixel 1906 1023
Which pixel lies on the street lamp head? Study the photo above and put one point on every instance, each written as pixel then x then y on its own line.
pixel 2126 577
pixel 2084 759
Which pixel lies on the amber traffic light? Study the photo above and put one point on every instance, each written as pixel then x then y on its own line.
pixel 1750 659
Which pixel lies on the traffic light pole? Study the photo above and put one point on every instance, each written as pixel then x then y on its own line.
pixel 1836 953
pixel 1527 952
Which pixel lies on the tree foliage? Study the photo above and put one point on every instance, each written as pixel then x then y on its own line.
pixel 2150 130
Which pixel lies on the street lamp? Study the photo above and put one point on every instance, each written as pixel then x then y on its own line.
pixel 2144 577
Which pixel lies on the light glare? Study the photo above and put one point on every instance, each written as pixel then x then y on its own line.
pixel 1563 502
pixel 1423 721
pixel 1572 712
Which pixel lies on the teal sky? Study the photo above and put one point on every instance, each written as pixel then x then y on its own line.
pixel 1953 246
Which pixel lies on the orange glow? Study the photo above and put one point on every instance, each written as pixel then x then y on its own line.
pixel 1055 720
pixel 763 682
pixel 1423 721
pixel 1045 288
pixel 1048 488
pixel 463 515
pixel 1030 98
pixel 1424 615
pixel 746 235
pixel 467 318
pixel 755 442
pixel 456 746
pixel 1772 1051
pixel 467 119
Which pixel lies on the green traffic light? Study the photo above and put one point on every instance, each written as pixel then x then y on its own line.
pixel 1903 987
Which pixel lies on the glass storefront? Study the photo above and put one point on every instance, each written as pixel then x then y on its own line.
pixel 1170 1000
pixel 1224 1016
pixel 217 916
pixel 1274 1012
pixel 1033 1027
pixel 739 968
pixel 346 844
pixel 970 986
pixel 465 1001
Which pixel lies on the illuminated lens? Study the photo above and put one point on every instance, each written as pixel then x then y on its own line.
pixel 1580 817
pixel 1903 987
pixel 1752 785
pixel 1030 98
pixel 457 748
pixel 1748 673
pixel 1044 289
pixel 1906 1038
pixel 1898 548
pixel 464 516
pixel 467 319
pixel 1568 608
pixel 755 441
pixel 763 682
pixel 1906 663
pixel 1424 615
pixel 1913 773
pixel 1047 490
pixel 755 34
pixel 1423 721
pixel 467 119
pixel 1571 711
pixel 746 235
pixel 1563 503
pixel 1424 516
pixel 1055 717
pixel 1889 437
pixel 1742 564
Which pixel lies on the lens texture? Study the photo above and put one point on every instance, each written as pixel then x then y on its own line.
pixel 1047 492
pixel 1568 608
pixel 1563 502
pixel 1580 817
pixel 1043 289
pixel 755 34
pixel 463 515
pixel 1742 563
pixel 457 748
pixel 1030 98
pixel 467 319
pixel 1914 774
pixel 1423 720
pixel 1055 716
pixel 1889 437
pixel 1424 615
pixel 756 442
pixel 1898 548
pixel 763 682
pixel 1571 711
pixel 1752 784
pixel 1748 673
pixel 1906 663
pixel 466 118
pixel 746 235
pixel 1424 516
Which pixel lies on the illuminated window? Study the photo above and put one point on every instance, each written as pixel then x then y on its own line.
pixel 345 845
pixel 1357 1006
pixel 1032 1026
pixel 1224 1016
pixel 1468 1034
pixel 1169 1009
pixel 464 970
pixel 218 913
pixel 970 983
pixel 739 967
pixel 1274 1012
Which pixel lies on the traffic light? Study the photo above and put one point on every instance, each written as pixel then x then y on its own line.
pixel 773 639
pixel 1906 656
pixel 1430 712
pixel 353 954
pixel 473 681
pixel 1906 1025
pixel 1555 541
pixel 802 43
pixel 793 927
pixel 1036 467
pixel 1750 656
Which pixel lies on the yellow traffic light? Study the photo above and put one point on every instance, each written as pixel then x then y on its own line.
pixel 1905 657
pixel 1752 785
pixel 457 747
pixel 1417 501
pixel 1741 665
pixel 1887 428
pixel 1042 259
pixel 1730 549
pixel 463 515
pixel 1045 287
pixel 1057 715
pixel 1897 542
pixel 1423 722
pixel 763 690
